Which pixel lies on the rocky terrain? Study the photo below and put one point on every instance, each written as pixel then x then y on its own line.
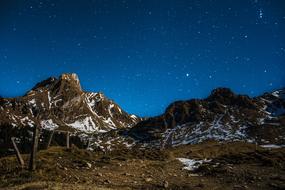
pixel 225 141
pixel 208 166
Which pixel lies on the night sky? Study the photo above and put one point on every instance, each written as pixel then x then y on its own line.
pixel 144 54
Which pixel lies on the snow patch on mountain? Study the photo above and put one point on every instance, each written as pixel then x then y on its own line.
pixel 87 125
pixel 49 124
pixel 27 121
pixel 191 164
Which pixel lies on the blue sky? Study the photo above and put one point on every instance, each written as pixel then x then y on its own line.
pixel 144 54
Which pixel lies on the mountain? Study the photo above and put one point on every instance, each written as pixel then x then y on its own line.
pixel 223 116
pixel 60 103
pixel 134 153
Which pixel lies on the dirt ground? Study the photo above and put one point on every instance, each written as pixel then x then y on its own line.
pixel 233 166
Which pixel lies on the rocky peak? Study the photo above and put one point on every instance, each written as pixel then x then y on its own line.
pixel 67 84
pixel 223 95
pixel 71 79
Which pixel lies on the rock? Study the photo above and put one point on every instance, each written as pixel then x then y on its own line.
pixel 193 175
pixel 89 165
pixel 126 174
pixel 148 179
pixel 107 181
pixel 99 174
pixel 165 184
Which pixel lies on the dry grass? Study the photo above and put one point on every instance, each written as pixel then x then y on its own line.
pixel 61 168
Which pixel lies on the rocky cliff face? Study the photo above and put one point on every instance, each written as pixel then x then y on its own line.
pixel 223 116
pixel 60 103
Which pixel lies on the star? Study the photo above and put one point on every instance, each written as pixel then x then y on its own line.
pixel 260 14
pixel 187 74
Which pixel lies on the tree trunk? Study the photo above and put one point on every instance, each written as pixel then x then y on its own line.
pixel 49 138
pixel 67 140
pixel 32 164
pixel 19 157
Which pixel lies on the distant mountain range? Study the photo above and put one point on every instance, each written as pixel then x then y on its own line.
pixel 61 104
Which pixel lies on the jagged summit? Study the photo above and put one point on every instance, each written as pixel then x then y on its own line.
pixel 221 93
pixel 71 79
pixel 66 81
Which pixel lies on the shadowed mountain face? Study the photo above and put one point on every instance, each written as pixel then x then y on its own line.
pixel 223 116
pixel 62 104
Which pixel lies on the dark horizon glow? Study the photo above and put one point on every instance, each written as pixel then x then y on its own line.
pixel 144 54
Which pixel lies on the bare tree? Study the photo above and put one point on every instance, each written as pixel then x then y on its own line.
pixel 32 164
pixel 19 157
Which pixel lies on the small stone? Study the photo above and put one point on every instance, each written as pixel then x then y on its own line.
pixel 99 174
pixel 165 184
pixel 107 181
pixel 193 175
pixel 89 165
pixel 148 179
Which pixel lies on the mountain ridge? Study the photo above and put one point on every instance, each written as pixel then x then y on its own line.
pixel 221 110
pixel 61 104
